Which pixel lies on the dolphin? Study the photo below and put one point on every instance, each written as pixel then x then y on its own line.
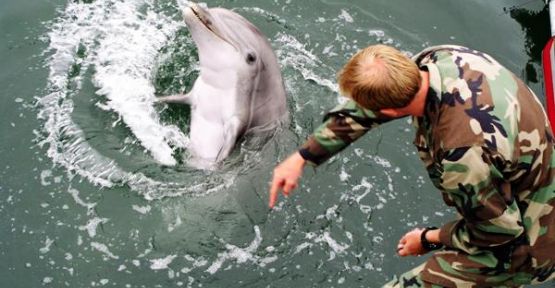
pixel 239 89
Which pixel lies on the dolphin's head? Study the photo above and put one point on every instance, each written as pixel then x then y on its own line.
pixel 239 88
pixel 227 41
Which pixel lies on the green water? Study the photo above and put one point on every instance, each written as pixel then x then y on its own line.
pixel 66 223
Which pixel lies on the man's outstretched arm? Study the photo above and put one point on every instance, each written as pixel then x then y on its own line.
pixel 342 126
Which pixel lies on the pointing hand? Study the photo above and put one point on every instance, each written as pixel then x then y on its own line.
pixel 286 176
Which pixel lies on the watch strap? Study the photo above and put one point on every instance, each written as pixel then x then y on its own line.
pixel 427 245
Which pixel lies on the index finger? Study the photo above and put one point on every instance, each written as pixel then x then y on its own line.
pixel 274 192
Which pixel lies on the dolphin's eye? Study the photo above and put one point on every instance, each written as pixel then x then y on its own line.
pixel 251 58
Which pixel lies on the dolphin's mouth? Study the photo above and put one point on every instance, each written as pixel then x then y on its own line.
pixel 200 15
pixel 198 12
pixel 205 22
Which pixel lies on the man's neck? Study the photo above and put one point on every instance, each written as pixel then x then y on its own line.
pixel 418 105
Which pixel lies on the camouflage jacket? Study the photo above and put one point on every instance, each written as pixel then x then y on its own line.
pixel 487 146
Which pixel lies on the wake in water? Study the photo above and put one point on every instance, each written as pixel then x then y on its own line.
pixel 119 47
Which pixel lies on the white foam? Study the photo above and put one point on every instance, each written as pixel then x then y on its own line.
pixel 346 16
pixel 47 243
pixel 376 33
pixel 43 177
pixel 102 248
pixel 71 271
pixel 47 280
pixel 177 223
pixel 341 280
pixel 125 58
pixel 75 194
pixel 334 245
pixel 197 262
pixel 242 255
pixel 78 25
pixel 162 263
pixel 343 175
pixel 381 161
pixel 301 247
pixel 325 237
pixel 121 39
pixel 141 209
pixel 92 224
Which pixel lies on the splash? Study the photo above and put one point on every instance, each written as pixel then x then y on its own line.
pixel 115 46
pixel 125 44
pixel 119 42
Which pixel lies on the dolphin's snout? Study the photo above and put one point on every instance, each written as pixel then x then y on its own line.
pixel 196 10
pixel 191 3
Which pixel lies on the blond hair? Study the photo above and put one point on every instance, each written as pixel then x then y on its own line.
pixel 380 77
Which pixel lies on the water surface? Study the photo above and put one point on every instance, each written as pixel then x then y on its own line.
pixel 86 202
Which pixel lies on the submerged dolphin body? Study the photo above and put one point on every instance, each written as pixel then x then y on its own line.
pixel 239 88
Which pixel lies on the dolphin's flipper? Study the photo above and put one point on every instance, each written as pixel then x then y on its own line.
pixel 232 130
pixel 176 99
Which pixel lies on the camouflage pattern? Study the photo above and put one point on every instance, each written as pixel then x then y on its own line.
pixel 411 279
pixel 487 145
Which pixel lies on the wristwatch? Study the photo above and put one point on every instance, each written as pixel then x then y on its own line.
pixel 427 245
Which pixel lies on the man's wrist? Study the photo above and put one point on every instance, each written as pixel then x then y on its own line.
pixel 305 154
pixel 299 158
pixel 433 236
pixel 430 239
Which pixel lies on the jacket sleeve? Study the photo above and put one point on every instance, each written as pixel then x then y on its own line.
pixel 342 125
pixel 490 215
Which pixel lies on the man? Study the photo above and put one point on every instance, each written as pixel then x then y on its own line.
pixel 486 144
